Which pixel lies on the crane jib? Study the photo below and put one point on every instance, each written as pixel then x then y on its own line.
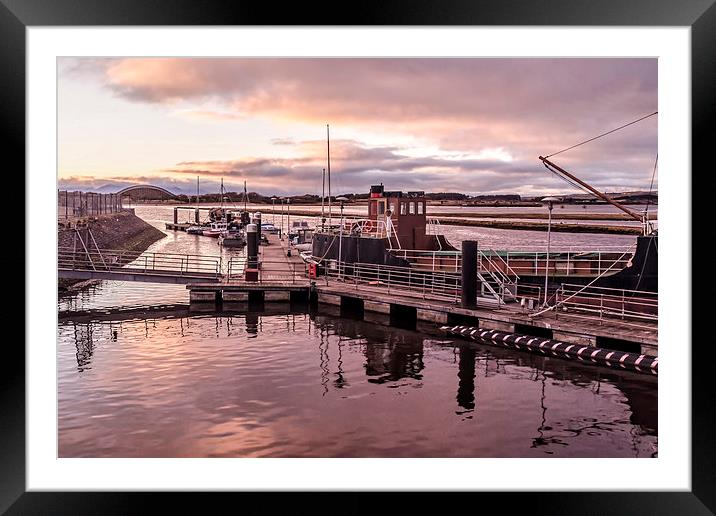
pixel 559 170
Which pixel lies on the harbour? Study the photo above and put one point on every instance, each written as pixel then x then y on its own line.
pixel 283 293
pixel 366 298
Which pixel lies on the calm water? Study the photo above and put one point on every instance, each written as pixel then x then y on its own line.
pixel 173 383
pixel 307 385
pixel 489 238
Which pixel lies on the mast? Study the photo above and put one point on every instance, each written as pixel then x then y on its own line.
pixel 328 148
pixel 245 195
pixel 197 192
pixel 323 198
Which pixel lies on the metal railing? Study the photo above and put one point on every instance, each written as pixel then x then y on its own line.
pixel 510 265
pixel 447 261
pixel 119 260
pixel 630 306
pixel 495 262
pixel 439 285
pixel 268 271
pixel 528 296
pixel 82 204
pixel 582 263
pixel 433 226
pixel 357 226
pixel 366 228
pixel 582 248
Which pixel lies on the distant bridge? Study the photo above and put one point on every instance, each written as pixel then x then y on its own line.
pixel 146 193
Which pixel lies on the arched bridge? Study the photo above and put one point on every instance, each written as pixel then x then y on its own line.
pixel 146 193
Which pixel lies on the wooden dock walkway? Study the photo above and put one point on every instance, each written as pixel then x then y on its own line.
pixel 509 317
pixel 284 278
pixel 280 278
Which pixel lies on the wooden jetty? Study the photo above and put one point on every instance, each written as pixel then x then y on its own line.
pixel 283 278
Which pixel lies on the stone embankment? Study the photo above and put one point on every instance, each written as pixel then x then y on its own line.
pixel 122 230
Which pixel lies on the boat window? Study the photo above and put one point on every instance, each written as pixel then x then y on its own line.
pixel 421 208
pixel 381 208
pixel 412 208
pixel 402 208
pixel 392 209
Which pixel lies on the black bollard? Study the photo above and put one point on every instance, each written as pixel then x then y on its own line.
pixel 469 274
pixel 257 219
pixel 251 247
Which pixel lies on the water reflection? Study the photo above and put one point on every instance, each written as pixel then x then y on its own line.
pixel 466 383
pixel 358 382
pixel 252 324
pixel 84 344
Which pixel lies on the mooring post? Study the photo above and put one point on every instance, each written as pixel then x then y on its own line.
pixel 469 274
pixel 176 213
pixel 251 253
pixel 257 218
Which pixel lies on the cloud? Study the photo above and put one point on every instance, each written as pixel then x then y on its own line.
pixel 484 120
pixel 586 92
pixel 355 166
pixel 283 141
pixel 207 114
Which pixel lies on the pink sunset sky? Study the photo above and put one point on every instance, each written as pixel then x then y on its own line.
pixel 465 125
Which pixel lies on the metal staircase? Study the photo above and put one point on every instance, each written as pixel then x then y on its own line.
pixel 494 281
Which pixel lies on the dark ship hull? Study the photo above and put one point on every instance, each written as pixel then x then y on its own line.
pixel 357 249
pixel 641 275
pixel 395 234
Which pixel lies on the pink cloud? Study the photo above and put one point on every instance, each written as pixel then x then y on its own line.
pixel 526 107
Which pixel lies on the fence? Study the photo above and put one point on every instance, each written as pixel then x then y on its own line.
pixel 582 263
pixel 82 204
pixel 441 285
pixel 268 271
pixel 85 258
pixel 632 307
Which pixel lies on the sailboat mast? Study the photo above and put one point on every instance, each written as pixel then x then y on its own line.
pixel 323 198
pixel 245 195
pixel 328 148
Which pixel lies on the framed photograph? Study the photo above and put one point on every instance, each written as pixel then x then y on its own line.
pixel 415 249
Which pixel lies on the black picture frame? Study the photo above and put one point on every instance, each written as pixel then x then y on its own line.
pixel 700 15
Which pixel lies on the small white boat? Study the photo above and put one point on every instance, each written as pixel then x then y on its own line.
pixel 195 230
pixel 215 229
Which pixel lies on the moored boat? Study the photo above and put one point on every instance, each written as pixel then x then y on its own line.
pixel 214 229
pixel 397 232
pixel 232 238
pixel 195 230
pixel 268 227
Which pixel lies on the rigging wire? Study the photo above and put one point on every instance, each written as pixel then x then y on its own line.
pixel 566 179
pixel 556 305
pixel 651 186
pixel 604 134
